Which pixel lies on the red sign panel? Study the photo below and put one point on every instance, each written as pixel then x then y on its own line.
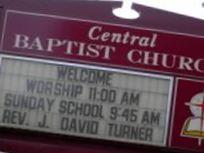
pixel 188 122
pixel 95 42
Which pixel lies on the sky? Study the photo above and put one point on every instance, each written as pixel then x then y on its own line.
pixel 191 8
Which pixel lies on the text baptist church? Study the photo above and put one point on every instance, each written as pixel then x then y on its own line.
pixel 106 52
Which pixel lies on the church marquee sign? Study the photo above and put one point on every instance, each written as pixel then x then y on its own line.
pixel 100 80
